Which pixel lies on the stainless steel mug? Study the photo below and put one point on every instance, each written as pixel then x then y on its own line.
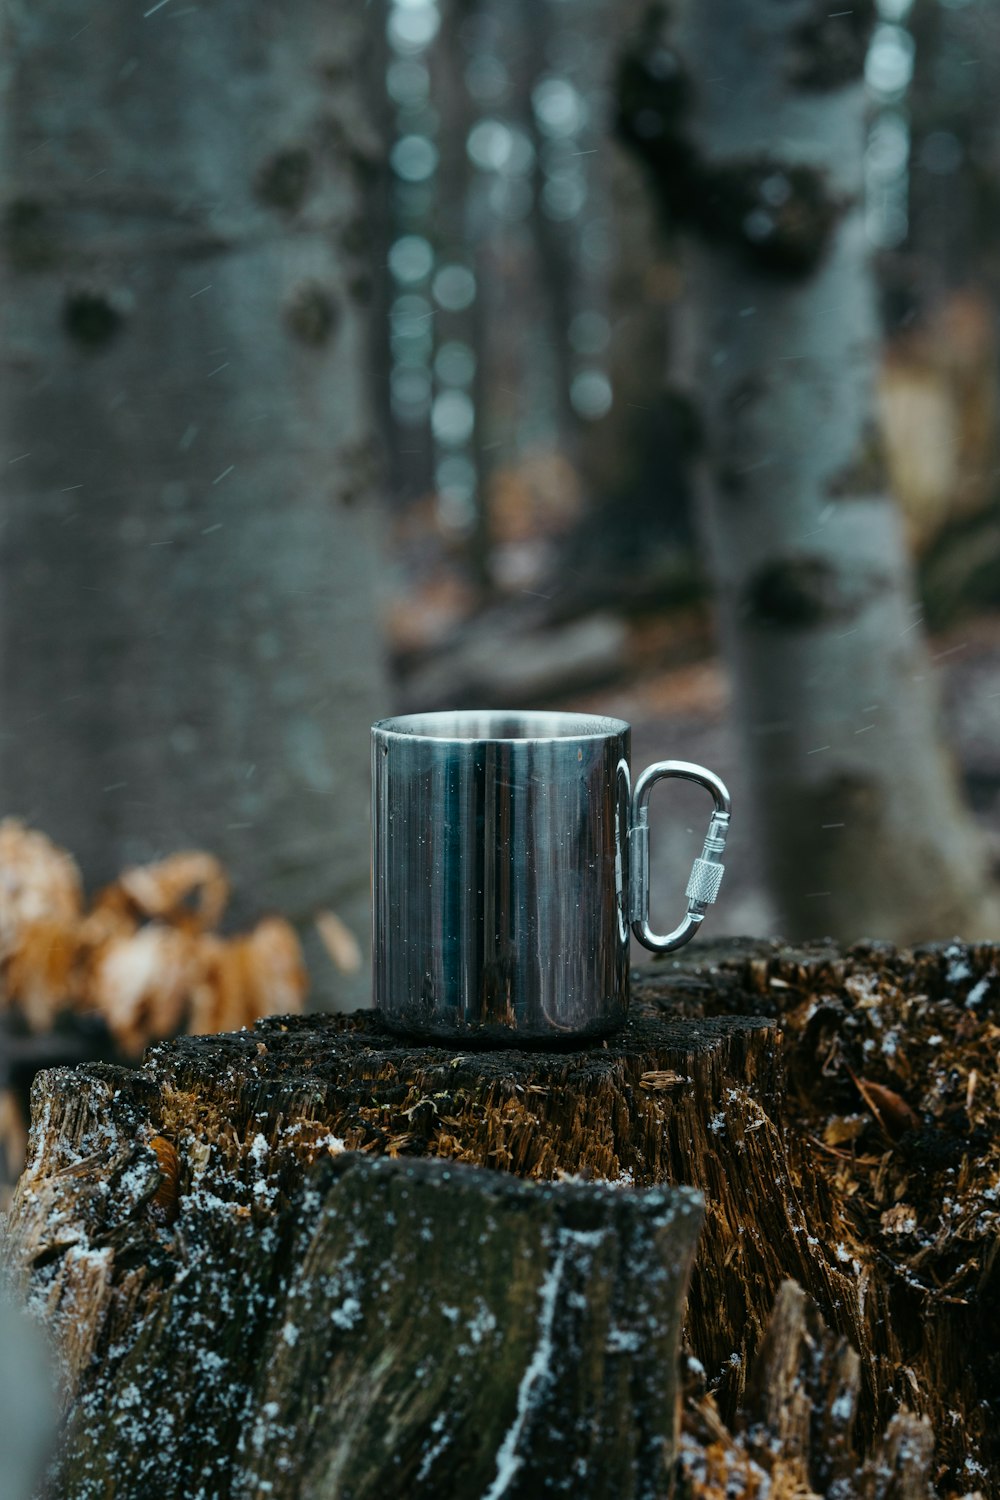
pixel 510 858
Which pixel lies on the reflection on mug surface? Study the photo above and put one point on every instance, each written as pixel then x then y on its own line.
pixel 509 862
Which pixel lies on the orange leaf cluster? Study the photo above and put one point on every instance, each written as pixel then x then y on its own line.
pixel 144 955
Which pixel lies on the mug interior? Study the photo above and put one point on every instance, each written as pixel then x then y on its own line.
pixel 502 724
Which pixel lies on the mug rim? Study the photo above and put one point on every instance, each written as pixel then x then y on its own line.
pixel 578 726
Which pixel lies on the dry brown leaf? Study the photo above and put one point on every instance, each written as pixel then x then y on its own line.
pixel 899 1219
pixel 146 978
pixel 41 971
pixel 13 1136
pixel 664 1079
pixel 38 881
pixel 106 920
pixel 889 1108
pixel 281 980
pixel 142 984
pixel 165 1199
pixel 339 941
pixel 216 1001
pixel 161 890
pixel 970 1089
pixel 245 978
pixel 841 1128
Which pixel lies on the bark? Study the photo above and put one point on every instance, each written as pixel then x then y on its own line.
pixel 177 1221
pixel 456 1331
pixel 189 650
pixel 793 1437
pixel 412 1329
pixel 890 1141
pixel 752 122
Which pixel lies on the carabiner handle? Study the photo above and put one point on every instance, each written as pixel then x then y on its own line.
pixel 706 872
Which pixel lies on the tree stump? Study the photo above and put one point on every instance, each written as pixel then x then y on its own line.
pixel 266 1260
pixel 392 1328
pixel 245 1296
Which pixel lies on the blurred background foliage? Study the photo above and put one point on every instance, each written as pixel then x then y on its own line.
pixel 531 471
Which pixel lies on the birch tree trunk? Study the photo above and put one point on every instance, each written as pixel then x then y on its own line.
pixel 189 651
pixel 751 118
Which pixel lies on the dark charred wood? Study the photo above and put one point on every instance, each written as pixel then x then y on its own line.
pixel 168 1216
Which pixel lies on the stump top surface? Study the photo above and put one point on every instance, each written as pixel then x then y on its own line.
pixel 328 1048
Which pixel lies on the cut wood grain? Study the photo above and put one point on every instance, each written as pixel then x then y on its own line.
pixel 145 1187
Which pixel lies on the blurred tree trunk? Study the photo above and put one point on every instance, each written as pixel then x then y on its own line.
pixel 751 119
pixel 954 172
pixel 189 646
pixel 457 222
pixel 941 291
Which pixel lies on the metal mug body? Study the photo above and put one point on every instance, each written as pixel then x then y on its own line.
pixel 504 874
